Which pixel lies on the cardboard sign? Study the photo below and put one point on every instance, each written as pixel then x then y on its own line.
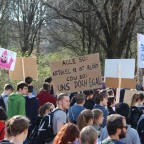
pixel 120 68
pixel 24 67
pixel 128 95
pixel 7 59
pixel 125 83
pixel 77 74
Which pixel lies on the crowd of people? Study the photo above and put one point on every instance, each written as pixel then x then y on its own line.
pixel 88 117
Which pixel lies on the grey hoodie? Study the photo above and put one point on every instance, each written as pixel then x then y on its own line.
pixel 131 136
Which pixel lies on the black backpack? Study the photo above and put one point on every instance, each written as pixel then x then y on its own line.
pixel 136 113
pixel 2 104
pixel 43 130
pixel 140 129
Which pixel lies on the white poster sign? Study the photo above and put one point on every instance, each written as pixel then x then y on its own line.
pixel 120 68
pixel 7 59
pixel 140 43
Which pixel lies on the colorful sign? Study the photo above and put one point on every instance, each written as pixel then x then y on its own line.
pixel 7 59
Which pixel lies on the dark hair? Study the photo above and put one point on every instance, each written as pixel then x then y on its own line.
pixel 114 121
pixel 21 85
pixel 110 92
pixel 80 101
pixel 88 92
pixel 68 133
pixel 46 86
pixel 123 109
pixel 48 79
pixel 3 114
pixel 42 109
pixel 61 96
pixel 28 80
pixel 84 118
pixel 8 87
pixel 101 95
pixel 30 89
pixel 110 100
pixel 17 124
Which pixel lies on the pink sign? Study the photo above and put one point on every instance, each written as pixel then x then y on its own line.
pixel 7 59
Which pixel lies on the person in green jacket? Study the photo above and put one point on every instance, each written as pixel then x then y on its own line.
pixel 16 101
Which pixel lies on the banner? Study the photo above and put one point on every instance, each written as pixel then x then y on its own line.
pixel 7 59
pixel 77 74
pixel 140 45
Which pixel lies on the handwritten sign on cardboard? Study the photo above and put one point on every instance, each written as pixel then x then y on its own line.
pixel 77 74
pixel 24 67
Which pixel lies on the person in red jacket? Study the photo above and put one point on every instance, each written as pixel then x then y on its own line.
pixel 3 117
pixel 44 95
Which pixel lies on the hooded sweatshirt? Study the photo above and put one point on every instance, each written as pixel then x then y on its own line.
pixel 132 136
pixel 16 105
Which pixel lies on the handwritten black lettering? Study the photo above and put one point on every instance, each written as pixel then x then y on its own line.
pixel 63 87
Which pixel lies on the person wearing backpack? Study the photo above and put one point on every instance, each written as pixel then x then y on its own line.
pixel 140 128
pixel 136 109
pixel 59 114
pixel 37 134
pixel 8 89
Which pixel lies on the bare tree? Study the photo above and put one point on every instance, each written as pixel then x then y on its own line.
pixel 29 16
pixel 108 24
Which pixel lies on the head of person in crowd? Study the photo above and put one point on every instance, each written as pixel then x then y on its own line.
pixel 124 110
pixel 116 126
pixel 46 87
pixel 67 134
pixel 89 94
pixel 28 80
pixel 111 101
pixel 22 88
pixel 46 109
pixel 48 80
pixel 8 89
pixel 63 101
pixel 98 116
pixel 137 100
pixel 101 98
pixel 85 119
pixel 30 90
pixel 3 114
pixel 80 98
pixel 18 128
pixel 88 135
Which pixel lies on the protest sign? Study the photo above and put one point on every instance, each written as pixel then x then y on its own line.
pixel 125 83
pixel 128 95
pixel 126 70
pixel 140 46
pixel 24 67
pixel 7 59
pixel 77 74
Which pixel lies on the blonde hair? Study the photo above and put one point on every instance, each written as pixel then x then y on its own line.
pixel 88 135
